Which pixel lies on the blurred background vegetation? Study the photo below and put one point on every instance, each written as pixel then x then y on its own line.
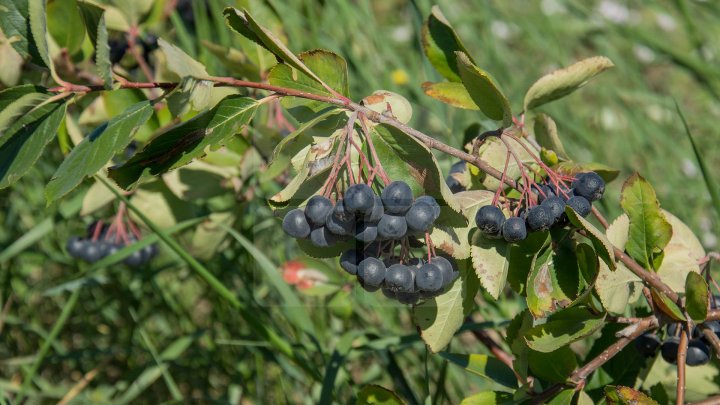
pixel 160 333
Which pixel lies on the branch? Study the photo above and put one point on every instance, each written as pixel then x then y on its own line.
pixel 649 278
pixel 681 358
pixel 497 351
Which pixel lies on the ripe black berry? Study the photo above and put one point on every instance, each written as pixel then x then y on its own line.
pixel 428 278
pixel 135 259
pixel 75 246
pixel 647 344
pixel 514 230
pixel 539 218
pixel 371 272
pixel 340 222
pixel 454 184
pixel 420 216
pixel 91 253
pixel 317 210
pixel 392 227
pixel 399 278
pixel 366 232
pixel 377 211
pixel 589 185
pixel 295 224
pixel 349 261
pixel 408 298
pixel 449 274
pixel 389 294
pixel 359 200
pixel 397 197
pixel 322 237
pixel 580 205
pixel 433 203
pixel 489 220
pixel 556 206
pixel 669 349
pixel 458 167
pixel 698 353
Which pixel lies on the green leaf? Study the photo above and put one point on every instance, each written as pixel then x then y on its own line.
pixel 454 239
pixel 96 150
pixel 494 152
pixel 94 18
pixel 563 328
pixel 16 102
pixel 602 246
pixel 485 366
pixel 439 318
pixel 522 256
pixel 65 24
pixel 181 63
pixel 452 93
pixel 26 139
pixel 649 231
pixel 554 366
pixel 440 43
pixel 190 94
pixel 564 81
pixel 404 157
pixel 571 168
pixel 186 141
pixel 484 91
pixel 616 395
pixel 546 135
pixel 696 296
pixel 14 24
pixel 563 398
pixel 384 102
pixel 489 398
pixel 375 394
pixel 491 262
pixel 38 29
pixel 667 305
pixel 244 24
pixel 544 293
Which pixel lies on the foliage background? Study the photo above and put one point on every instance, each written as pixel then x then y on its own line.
pixel 663 51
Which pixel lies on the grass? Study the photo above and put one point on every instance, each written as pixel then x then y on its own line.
pixel 225 327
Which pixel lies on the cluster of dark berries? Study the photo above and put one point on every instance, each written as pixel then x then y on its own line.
pixel 378 224
pixel 363 215
pixel 585 188
pixel 698 352
pixel 102 241
pixel 407 282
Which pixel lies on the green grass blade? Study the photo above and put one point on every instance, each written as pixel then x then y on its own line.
pixel 709 183
pixel 64 315
pixel 27 240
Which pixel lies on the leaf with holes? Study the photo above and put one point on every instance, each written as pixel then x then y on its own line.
pixel 188 140
pixel 25 140
pixel 451 93
pixel 439 318
pixel 649 231
pixel 484 91
pixel 96 150
pixel 564 81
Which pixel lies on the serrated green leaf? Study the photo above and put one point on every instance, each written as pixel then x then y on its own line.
pixel 244 24
pixel 16 102
pixel 38 28
pixel 453 239
pixel 452 93
pixel 563 328
pixel 234 60
pixel 377 395
pixel 563 398
pixel 602 246
pixel 489 398
pixel 440 42
pixel 180 62
pixel 546 134
pixel 191 94
pixel 649 231
pixel 328 66
pixel 94 18
pixel 522 256
pixel 485 366
pixel 554 366
pixel 484 91
pixel 544 293
pixel 65 24
pixel 696 296
pixel 439 318
pixel 96 150
pixel 26 139
pixel 186 141
pixel 14 24
pixel 564 81
pixel 491 263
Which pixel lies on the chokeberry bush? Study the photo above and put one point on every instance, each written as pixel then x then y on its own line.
pixel 239 216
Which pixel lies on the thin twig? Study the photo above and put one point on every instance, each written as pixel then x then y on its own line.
pixel 681 358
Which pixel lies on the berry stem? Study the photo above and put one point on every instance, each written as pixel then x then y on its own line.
pixel 368 137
